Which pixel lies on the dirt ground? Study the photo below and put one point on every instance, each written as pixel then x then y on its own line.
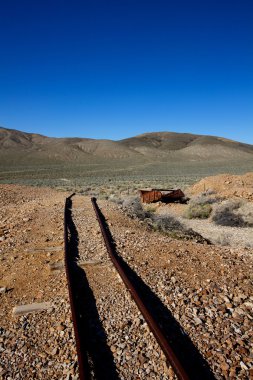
pixel 42 345
pixel 31 234
pixel 37 345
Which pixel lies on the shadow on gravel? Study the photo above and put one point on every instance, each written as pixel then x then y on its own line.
pixel 92 343
pixel 190 358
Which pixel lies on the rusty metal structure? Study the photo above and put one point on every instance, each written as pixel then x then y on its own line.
pixel 161 195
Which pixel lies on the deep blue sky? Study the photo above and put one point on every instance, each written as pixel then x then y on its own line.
pixel 114 69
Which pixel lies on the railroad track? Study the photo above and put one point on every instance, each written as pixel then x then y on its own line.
pixel 89 268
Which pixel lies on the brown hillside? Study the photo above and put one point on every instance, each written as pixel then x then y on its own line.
pixel 27 146
pixel 21 147
pixel 171 141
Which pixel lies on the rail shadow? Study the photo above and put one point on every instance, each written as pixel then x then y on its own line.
pixel 190 358
pixel 92 340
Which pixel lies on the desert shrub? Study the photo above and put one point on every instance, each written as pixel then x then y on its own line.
pixel 133 208
pixel 150 207
pixel 246 212
pixel 198 211
pixel 233 213
pixel 200 206
pixel 204 199
pixel 172 227
pixel 113 198
pixel 94 194
pixel 166 223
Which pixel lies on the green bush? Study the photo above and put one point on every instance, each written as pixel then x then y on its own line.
pixel 198 211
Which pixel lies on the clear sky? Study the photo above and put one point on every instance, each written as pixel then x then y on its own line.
pixel 114 69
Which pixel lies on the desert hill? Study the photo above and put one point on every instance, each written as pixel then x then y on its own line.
pixel 186 143
pixel 26 146
pixel 161 146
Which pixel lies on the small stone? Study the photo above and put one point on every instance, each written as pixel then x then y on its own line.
pixel 113 348
pixel 171 373
pixel 239 311
pixel 3 290
pixel 243 366
pixel 60 327
pixel 55 351
pixel 56 266
pixel 142 359
pixel 248 305
pixel 224 366
pixel 197 321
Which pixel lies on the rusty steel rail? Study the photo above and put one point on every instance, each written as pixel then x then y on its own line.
pixel 76 317
pixel 154 327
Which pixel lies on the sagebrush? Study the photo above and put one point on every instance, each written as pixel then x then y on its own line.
pixel 233 213
pixel 165 223
pixel 201 211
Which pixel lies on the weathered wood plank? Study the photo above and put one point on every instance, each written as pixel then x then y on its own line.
pixel 31 308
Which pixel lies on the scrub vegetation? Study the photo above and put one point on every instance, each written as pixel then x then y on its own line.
pixel 233 213
pixel 167 224
pixel 200 207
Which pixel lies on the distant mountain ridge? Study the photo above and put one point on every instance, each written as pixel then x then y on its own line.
pixel 161 146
